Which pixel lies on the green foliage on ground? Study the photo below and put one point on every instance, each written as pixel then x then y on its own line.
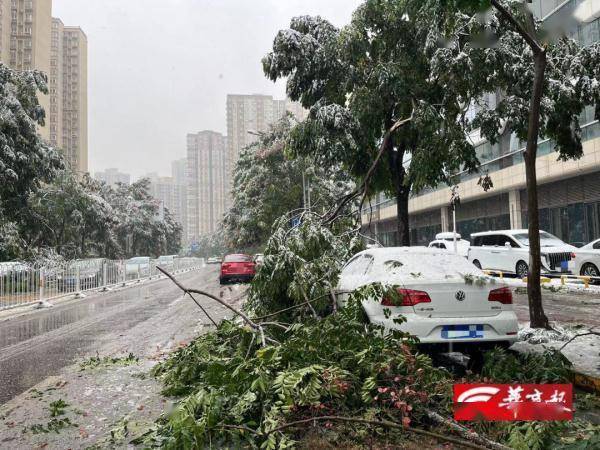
pixel 235 392
pixel 106 361
pixel 504 366
pixel 336 365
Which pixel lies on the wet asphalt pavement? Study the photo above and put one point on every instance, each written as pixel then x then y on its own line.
pixel 566 308
pixel 39 344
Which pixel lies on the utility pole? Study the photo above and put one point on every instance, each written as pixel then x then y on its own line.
pixel 454 202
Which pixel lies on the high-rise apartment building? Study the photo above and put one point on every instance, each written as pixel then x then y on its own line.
pixel 31 39
pixel 55 84
pixel 25 40
pixel 112 177
pixel 207 184
pixel 179 175
pixel 74 99
pixel 249 115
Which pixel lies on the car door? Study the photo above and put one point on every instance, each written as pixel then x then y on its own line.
pixel 487 252
pixel 505 253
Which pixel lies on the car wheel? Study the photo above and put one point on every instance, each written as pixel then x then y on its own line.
pixel 590 270
pixel 222 281
pixel 522 269
pixel 477 264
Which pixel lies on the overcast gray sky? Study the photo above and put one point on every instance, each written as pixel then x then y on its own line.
pixel 159 69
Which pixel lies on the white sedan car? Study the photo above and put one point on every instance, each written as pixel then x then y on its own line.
pixel 445 299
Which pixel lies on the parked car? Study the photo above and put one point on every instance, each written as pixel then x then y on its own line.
pixel 140 265
pixel 587 260
pixel 445 299
pixel 213 260
pixel 238 267
pixel 508 251
pixel 445 241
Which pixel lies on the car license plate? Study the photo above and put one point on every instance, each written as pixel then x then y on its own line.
pixel 462 331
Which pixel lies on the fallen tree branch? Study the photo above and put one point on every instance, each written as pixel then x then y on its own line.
pixel 363 189
pixel 299 305
pixel 383 423
pixel 587 333
pixel 185 292
pixel 236 311
pixel 465 432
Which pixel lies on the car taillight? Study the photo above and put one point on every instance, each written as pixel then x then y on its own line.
pixel 502 295
pixel 225 266
pixel 410 297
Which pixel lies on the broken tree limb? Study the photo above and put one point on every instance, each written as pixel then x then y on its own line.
pixel 465 432
pixel 364 187
pixel 236 311
pixel 592 332
pixel 185 292
pixel 382 423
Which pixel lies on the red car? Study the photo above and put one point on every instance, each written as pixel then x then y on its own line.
pixel 237 268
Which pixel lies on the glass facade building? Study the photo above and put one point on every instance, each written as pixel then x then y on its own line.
pixel 569 202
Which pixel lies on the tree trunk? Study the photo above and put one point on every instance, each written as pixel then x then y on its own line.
pixel 402 210
pixel 396 160
pixel 537 316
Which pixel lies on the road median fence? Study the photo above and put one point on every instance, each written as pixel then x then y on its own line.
pixel 23 283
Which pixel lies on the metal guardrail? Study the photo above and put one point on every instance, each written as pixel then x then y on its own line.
pixel 23 284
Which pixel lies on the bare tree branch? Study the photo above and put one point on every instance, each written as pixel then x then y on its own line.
pixel 236 311
pixel 185 292
pixel 587 333
pixel 383 423
pixel 465 432
pixel 363 189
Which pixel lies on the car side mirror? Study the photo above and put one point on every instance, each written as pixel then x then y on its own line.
pixel 507 245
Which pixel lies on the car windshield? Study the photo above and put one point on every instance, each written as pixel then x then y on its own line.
pixel 238 258
pixel 546 239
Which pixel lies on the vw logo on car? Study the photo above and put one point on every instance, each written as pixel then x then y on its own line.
pixel 460 296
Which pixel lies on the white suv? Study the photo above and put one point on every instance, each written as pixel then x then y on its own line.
pixel 445 241
pixel 508 251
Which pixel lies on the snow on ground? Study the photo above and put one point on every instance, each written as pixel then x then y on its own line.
pixel 555 285
pixel 583 352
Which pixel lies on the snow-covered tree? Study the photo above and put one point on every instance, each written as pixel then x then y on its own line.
pixel 70 217
pixel 546 81
pixel 26 160
pixel 269 183
pixel 79 218
pixel 375 102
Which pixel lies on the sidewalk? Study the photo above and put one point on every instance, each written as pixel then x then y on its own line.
pixel 583 352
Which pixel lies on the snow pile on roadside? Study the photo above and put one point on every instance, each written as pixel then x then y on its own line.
pixel 571 286
pixel 541 336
